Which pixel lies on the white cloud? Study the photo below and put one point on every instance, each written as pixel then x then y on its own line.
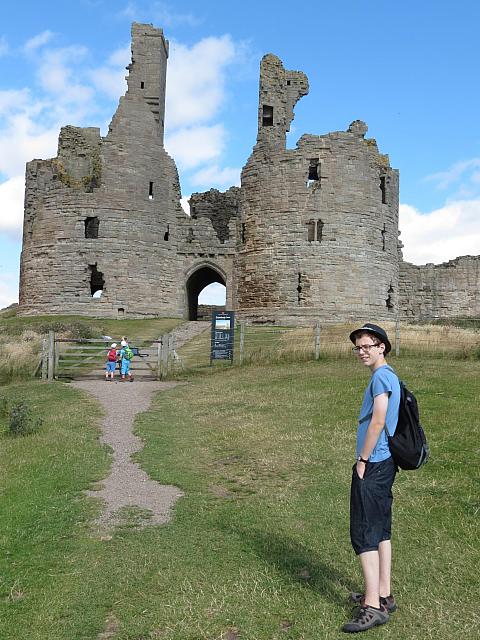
pixel 185 205
pixel 8 289
pixel 441 235
pixel 196 145
pixel 110 78
pixel 214 176
pixel 3 46
pixel 11 213
pixel 196 80
pixel 22 140
pixel 463 178
pixel 214 293
pixel 38 41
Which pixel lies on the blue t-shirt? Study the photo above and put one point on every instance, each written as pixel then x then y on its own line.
pixel 383 380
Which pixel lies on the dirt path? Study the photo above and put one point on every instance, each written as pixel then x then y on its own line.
pixel 128 485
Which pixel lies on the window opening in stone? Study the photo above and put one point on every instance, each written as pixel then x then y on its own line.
pixel 319 230
pixel 299 289
pixel 311 230
pixel 91 227
pixel 97 283
pixel 243 232
pixel 190 235
pixel 313 170
pixel 384 233
pixel 142 85
pixel 383 189
pixel 193 212
pixel 267 119
pixel 150 191
pixel 121 312
pixel 288 83
pixel 389 301
pixel 167 233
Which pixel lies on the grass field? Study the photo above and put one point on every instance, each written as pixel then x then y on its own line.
pixel 258 548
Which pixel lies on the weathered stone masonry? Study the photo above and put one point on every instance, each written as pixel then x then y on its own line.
pixel 312 232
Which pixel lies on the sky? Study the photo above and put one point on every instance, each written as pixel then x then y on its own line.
pixel 409 69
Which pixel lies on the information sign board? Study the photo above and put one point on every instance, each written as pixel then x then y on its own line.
pixel 222 338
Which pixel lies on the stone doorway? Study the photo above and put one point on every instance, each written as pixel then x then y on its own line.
pixel 197 281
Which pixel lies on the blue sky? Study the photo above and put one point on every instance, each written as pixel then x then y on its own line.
pixel 409 69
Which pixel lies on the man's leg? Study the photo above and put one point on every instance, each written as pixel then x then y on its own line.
pixel 385 569
pixel 371 573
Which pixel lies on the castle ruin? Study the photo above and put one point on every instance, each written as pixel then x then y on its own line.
pixel 312 233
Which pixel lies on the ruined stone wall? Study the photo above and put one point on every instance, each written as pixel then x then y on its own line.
pixel 446 290
pixel 318 231
pixel 105 213
pixel 312 234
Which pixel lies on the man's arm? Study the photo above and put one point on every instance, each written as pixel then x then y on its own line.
pixel 375 428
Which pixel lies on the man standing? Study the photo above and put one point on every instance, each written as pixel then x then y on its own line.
pixel 372 479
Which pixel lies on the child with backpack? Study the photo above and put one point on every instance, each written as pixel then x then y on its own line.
pixel 111 362
pixel 126 355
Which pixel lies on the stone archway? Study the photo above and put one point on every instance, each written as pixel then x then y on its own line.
pixel 196 282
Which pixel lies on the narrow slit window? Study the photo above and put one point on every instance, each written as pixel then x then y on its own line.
pixel 389 300
pixel 150 191
pixel 267 118
pixel 243 232
pixel 142 85
pixel 319 230
pixel 311 230
pixel 91 227
pixel 383 189
pixel 166 235
pixel 299 289
pixel 384 233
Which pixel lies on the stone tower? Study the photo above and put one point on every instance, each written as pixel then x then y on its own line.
pixel 101 217
pixel 318 231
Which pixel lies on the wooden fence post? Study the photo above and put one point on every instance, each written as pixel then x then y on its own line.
pixel 44 357
pixel 159 358
pixel 242 342
pixel 165 346
pixel 51 356
pixel 317 340
pixel 397 337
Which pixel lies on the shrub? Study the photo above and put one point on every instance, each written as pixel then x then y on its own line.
pixel 21 420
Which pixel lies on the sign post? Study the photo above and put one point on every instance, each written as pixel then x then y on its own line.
pixel 222 338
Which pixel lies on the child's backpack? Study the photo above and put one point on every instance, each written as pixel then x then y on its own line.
pixel 112 355
pixel 127 353
pixel 408 445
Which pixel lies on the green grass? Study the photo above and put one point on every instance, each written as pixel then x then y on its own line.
pixel 258 548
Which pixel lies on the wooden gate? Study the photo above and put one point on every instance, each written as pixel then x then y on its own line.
pixel 86 358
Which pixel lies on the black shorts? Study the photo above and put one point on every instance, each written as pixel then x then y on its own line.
pixel 371 505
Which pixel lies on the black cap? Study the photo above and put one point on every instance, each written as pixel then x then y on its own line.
pixel 377 331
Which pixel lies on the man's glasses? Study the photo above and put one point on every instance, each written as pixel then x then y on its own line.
pixel 365 347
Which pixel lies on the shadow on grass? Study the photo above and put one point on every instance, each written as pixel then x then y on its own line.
pixel 300 564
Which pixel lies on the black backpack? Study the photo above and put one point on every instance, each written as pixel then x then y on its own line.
pixel 408 445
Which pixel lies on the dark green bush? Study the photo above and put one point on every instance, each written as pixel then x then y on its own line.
pixel 21 420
